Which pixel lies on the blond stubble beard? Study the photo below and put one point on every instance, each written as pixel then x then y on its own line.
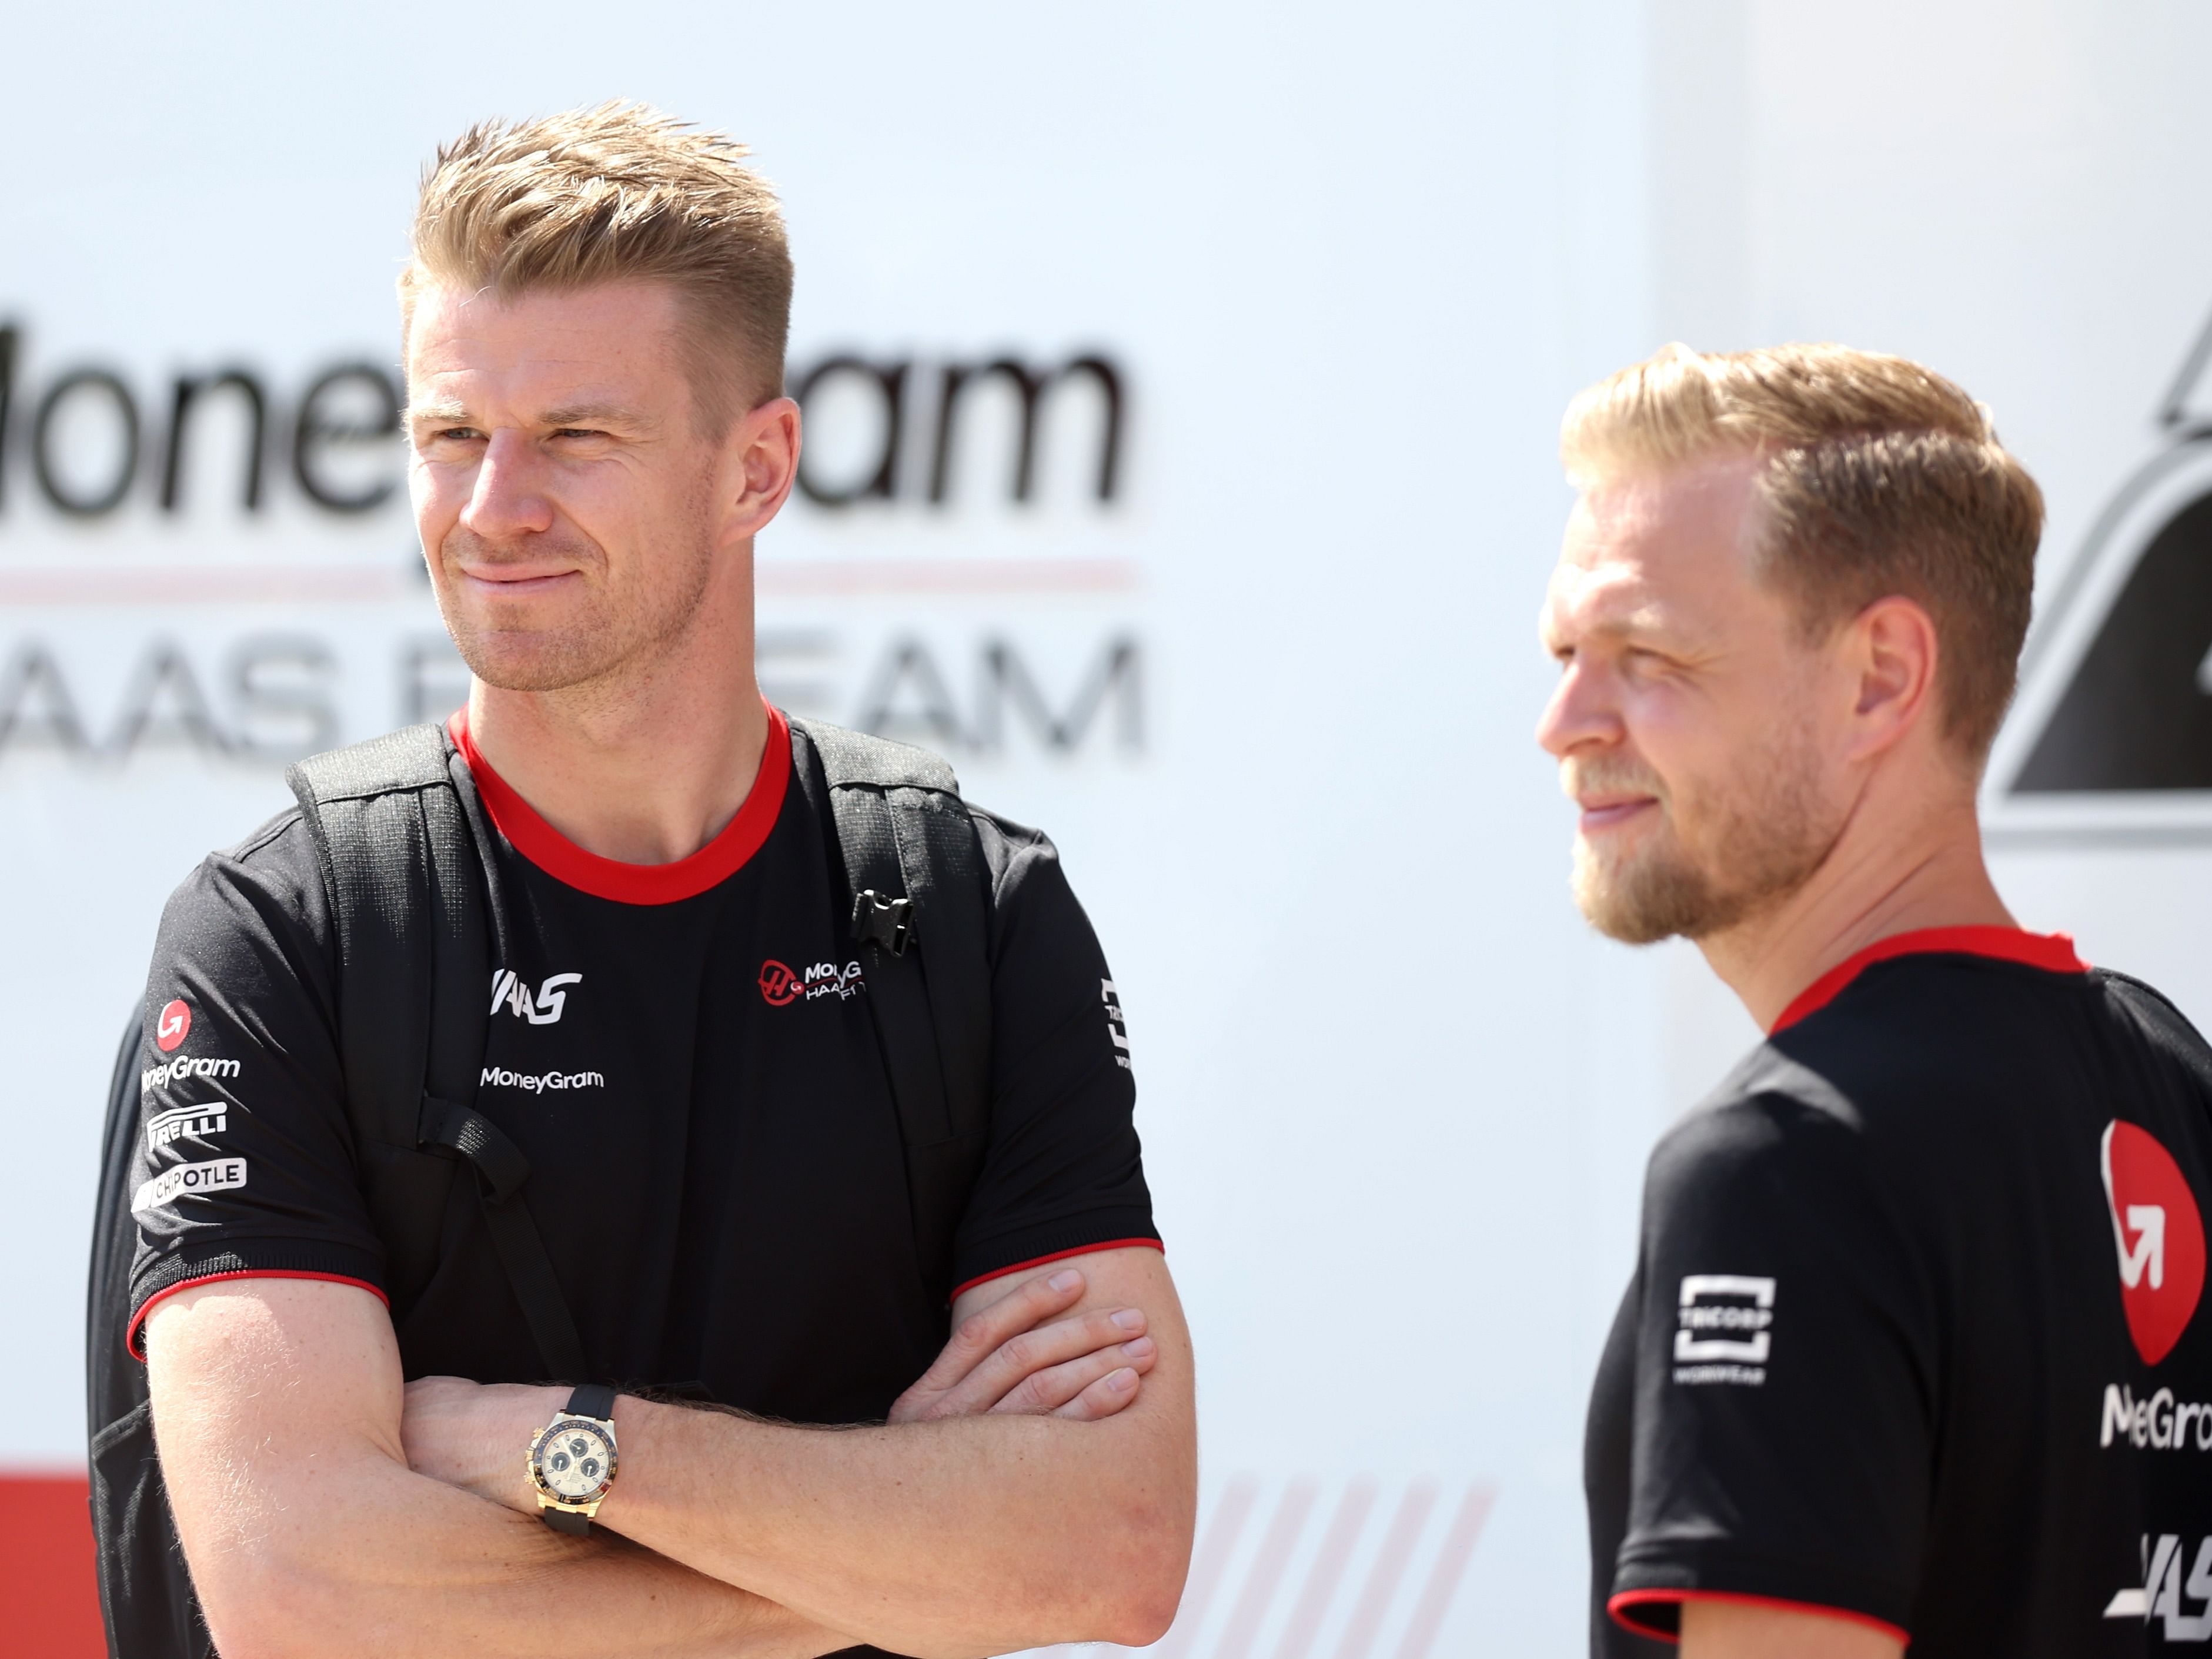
pixel 617 634
pixel 1765 843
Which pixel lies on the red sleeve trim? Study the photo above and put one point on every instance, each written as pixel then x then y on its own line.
pixel 636 884
pixel 2052 952
pixel 131 1337
pixel 1636 1598
pixel 958 1291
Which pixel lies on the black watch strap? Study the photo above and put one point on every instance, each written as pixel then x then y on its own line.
pixel 588 1400
pixel 593 1399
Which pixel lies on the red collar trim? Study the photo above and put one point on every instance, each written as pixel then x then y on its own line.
pixel 636 884
pixel 2052 952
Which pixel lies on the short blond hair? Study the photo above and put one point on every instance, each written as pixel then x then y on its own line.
pixel 620 192
pixel 1881 477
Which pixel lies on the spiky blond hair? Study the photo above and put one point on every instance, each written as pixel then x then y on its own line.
pixel 620 192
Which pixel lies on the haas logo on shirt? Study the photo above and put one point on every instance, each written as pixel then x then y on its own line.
pixel 780 987
pixel 511 992
pixel 172 1027
pixel 2159 1234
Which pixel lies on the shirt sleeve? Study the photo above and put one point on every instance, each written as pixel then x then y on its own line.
pixel 1063 1173
pixel 1784 1377
pixel 245 1164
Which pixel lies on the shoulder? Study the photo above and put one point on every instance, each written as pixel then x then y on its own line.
pixel 1773 1118
pixel 270 883
pixel 2151 1016
pixel 1014 855
pixel 1935 1045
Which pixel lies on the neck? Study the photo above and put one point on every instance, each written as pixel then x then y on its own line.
pixel 1890 871
pixel 649 763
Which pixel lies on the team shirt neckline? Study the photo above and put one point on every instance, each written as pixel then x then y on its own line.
pixel 572 866
pixel 2054 953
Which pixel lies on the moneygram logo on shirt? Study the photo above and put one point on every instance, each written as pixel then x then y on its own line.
pixel 173 1025
pixel 2159 1236
pixel 780 987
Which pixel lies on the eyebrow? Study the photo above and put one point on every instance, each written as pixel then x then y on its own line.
pixel 452 412
pixel 593 414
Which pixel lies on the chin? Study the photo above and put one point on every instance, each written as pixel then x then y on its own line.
pixel 528 662
pixel 1638 901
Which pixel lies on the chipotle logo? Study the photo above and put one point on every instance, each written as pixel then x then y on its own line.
pixel 2159 1236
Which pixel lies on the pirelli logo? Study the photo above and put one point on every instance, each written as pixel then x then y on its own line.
pixel 199 1122
pixel 1724 1329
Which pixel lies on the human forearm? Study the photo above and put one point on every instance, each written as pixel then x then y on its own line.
pixel 973 1535
pixel 1034 1485
pixel 964 1535
pixel 408 1565
pixel 277 1412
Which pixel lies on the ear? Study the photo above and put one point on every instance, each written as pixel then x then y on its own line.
pixel 1891 650
pixel 762 457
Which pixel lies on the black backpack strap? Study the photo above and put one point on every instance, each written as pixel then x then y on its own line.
pixel 911 868
pixel 407 852
pixel 501 1171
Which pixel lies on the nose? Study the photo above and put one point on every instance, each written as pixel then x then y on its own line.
pixel 1580 711
pixel 508 497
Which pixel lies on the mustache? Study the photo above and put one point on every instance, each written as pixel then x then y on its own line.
pixel 460 545
pixel 1610 774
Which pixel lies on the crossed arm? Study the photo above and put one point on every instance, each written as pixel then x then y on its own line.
pixel 1029 1489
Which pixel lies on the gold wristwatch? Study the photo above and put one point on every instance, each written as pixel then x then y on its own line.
pixel 572 1460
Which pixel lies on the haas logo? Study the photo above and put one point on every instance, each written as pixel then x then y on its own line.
pixel 2159 1236
pixel 779 986
pixel 175 1022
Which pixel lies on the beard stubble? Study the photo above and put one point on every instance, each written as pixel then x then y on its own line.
pixel 1763 838
pixel 615 631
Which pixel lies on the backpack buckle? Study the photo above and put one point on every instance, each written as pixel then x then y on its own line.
pixel 885 921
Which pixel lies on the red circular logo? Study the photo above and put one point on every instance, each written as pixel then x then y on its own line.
pixel 176 1020
pixel 2160 1237
pixel 779 985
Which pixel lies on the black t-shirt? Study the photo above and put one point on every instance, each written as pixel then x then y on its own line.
pixel 684 1055
pixel 1912 1335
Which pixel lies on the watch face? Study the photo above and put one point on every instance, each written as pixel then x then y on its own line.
pixel 574 1460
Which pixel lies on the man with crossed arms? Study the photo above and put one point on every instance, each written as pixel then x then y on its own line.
pixel 595 315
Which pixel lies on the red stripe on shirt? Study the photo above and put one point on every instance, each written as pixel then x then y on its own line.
pixel 133 1335
pixel 636 884
pixel 1059 1255
pixel 1637 1598
pixel 2052 952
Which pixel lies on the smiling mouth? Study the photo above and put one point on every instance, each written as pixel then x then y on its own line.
pixel 509 581
pixel 1612 814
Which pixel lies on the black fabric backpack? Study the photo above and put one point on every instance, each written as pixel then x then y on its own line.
pixel 405 850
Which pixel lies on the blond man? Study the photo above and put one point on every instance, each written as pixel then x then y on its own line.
pixel 1913 1352
pixel 684 1047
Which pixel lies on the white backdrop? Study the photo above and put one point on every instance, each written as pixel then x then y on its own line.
pixel 1348 268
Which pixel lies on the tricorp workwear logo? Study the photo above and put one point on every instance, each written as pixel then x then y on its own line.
pixel 173 1026
pixel 2159 1236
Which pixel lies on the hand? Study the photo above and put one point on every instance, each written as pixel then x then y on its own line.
pixel 1006 1357
pixel 475 1435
